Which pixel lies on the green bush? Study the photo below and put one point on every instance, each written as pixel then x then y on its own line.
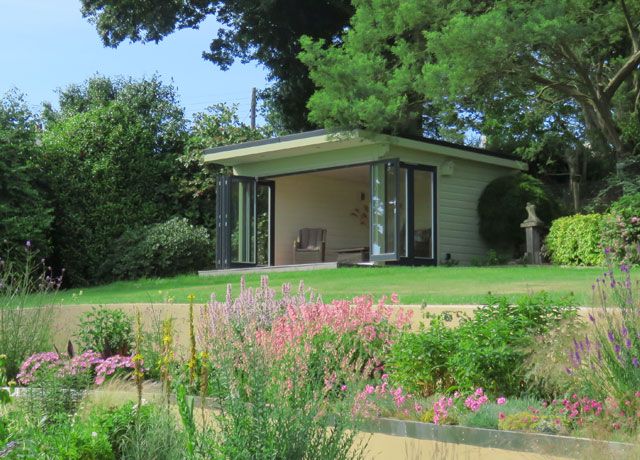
pixel 164 249
pixel 486 350
pixel 502 208
pixel 108 332
pixel 621 233
pixel 576 240
pixel 419 361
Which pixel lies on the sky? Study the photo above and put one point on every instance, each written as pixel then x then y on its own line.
pixel 45 45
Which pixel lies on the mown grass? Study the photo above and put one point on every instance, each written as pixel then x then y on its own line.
pixel 414 285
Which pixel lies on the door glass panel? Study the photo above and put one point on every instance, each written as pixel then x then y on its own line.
pixel 243 222
pixel 423 214
pixel 404 213
pixel 383 210
pixel 263 213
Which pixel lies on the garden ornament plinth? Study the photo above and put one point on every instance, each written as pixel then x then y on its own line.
pixel 533 227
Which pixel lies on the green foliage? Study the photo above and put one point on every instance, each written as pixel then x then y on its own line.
pixel 164 249
pixel 106 331
pixel 265 31
pixel 108 158
pixel 148 432
pixel 369 78
pixel 501 209
pixel 219 125
pixel 24 212
pixel 418 361
pixel 25 284
pixel 486 350
pixel 526 421
pixel 5 394
pixel 576 240
pixel 621 233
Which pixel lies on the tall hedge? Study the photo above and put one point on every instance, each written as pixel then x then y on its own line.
pixel 502 208
pixel 576 240
pixel 25 214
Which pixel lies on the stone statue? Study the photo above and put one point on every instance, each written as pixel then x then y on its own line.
pixel 533 232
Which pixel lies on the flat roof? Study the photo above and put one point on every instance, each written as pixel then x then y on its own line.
pixel 324 132
pixel 321 141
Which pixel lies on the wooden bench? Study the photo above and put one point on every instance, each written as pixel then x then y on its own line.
pixel 352 256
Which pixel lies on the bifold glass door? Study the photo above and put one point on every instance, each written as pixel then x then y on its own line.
pixel 384 210
pixel 243 221
pixel 403 223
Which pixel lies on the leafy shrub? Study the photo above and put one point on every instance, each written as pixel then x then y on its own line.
pixel 164 249
pixel 487 349
pixel 502 207
pixel 576 240
pixel 419 361
pixel 622 229
pixel 106 331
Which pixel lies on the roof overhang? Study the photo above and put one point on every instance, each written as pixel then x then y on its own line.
pixel 315 142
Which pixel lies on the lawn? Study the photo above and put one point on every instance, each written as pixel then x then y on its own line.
pixel 414 285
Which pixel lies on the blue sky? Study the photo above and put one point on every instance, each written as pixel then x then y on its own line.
pixel 46 45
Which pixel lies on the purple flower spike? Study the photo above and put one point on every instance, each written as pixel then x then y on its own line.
pixel 617 349
pixel 624 268
pixel 624 331
pixel 591 318
pixel 611 337
pixel 627 343
pixel 635 362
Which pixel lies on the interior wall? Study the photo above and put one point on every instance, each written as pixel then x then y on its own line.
pixel 318 200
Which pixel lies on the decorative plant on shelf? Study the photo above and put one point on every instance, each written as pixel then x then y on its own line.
pixel 361 213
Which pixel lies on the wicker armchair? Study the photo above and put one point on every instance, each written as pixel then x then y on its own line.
pixel 310 246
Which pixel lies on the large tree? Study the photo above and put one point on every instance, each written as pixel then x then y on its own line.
pixel 474 65
pixel 266 31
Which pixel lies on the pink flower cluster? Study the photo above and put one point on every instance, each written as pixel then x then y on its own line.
pixel 33 363
pixel 441 408
pixel 475 401
pixel 371 401
pixel 88 361
pixel 108 366
pixel 309 319
pixel 574 406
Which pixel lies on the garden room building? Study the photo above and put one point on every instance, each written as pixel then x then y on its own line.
pixel 355 196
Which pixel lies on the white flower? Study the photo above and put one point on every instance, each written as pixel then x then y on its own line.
pixel 94 434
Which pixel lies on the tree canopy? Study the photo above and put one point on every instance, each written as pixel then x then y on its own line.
pixel 484 66
pixel 262 30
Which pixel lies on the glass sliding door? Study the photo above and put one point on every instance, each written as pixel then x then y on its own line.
pixel 384 221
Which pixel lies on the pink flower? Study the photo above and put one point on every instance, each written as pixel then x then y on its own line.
pixel 369 389
pixel 501 400
pixel 343 388
pixel 501 416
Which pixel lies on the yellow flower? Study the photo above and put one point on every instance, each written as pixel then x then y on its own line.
pixel 191 297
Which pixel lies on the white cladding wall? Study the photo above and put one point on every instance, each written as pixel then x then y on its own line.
pixel 316 201
pixel 458 221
